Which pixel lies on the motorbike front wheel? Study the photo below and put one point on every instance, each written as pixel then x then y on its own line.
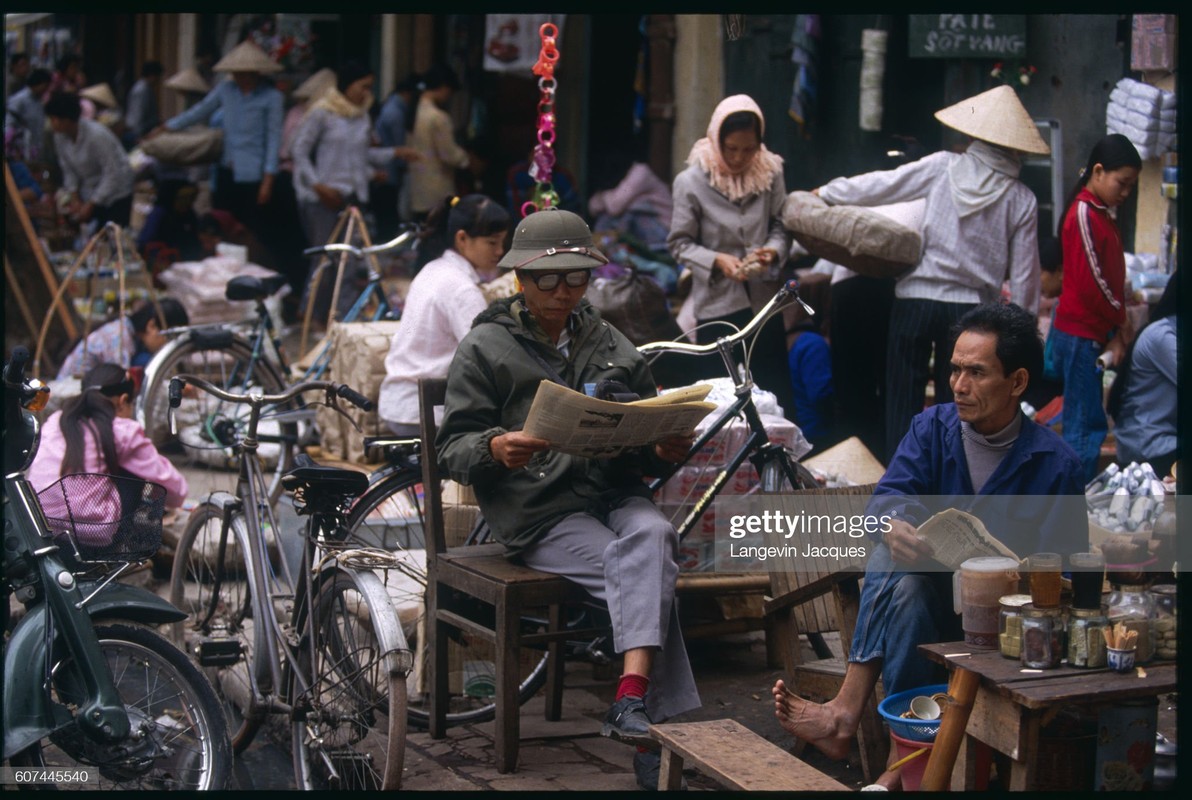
pixel 179 737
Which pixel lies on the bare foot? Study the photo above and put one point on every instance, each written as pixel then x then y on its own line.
pixel 824 727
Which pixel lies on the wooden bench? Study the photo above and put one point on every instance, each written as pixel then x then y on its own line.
pixel 735 757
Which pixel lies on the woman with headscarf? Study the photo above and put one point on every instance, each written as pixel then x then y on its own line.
pixel 727 229
pixel 333 164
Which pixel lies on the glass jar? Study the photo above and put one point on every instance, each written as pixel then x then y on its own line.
pixel 1134 607
pixel 1086 640
pixel 1165 620
pixel 1009 628
pixel 1042 637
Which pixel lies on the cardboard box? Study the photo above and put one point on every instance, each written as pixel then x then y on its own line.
pixel 1153 42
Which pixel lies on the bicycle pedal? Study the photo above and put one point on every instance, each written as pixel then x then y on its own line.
pixel 218 652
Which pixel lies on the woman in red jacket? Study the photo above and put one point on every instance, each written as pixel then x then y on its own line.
pixel 1091 315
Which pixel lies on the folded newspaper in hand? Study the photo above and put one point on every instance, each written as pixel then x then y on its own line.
pixel 957 535
pixel 584 426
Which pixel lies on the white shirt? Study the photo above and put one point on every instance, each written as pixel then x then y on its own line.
pixel 443 300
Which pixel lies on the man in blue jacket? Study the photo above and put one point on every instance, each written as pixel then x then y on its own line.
pixel 981 454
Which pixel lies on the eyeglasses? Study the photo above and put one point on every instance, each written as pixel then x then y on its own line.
pixel 549 281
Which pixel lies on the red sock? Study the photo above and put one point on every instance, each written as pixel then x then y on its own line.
pixel 632 685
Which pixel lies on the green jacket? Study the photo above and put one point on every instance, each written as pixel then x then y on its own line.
pixel 490 386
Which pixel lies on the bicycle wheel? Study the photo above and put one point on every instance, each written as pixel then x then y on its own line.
pixel 181 737
pixel 218 602
pixel 207 427
pixel 775 480
pixel 389 516
pixel 348 693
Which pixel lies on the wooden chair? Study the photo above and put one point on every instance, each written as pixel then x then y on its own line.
pixel 460 576
pixel 810 598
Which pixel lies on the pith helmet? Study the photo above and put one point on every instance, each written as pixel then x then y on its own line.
pixel 246 57
pixel 998 117
pixel 552 239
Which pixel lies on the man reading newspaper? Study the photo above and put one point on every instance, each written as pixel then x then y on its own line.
pixel 979 454
pixel 589 519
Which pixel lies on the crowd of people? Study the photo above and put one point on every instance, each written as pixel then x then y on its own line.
pixel 964 320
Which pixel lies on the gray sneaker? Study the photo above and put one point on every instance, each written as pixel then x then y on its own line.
pixel 646 768
pixel 627 721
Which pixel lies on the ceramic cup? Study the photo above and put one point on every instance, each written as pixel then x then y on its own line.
pixel 923 707
pixel 1120 660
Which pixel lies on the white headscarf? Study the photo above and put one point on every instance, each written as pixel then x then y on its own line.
pixel 982 175
pixel 758 177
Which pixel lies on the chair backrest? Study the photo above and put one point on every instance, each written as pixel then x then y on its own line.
pixel 818 615
pixel 432 392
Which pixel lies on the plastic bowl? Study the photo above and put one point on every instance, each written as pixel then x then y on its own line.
pixel 919 730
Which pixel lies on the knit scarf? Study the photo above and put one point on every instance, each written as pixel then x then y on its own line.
pixel 982 175
pixel 334 101
pixel 757 177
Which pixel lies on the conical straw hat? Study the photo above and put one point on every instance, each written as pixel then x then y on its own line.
pixel 313 87
pixel 246 57
pixel 100 93
pixel 997 117
pixel 188 80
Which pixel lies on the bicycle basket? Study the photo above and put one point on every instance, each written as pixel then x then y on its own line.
pixel 105 518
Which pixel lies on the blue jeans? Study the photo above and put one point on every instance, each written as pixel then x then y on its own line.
pixel 900 611
pixel 1084 425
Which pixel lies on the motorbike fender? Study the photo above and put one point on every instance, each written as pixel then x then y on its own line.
pixel 29 713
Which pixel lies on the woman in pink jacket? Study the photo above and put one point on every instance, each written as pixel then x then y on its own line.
pixel 95 433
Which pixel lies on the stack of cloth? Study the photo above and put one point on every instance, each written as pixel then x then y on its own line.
pixel 1145 114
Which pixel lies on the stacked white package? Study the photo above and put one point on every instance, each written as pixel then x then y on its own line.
pixel 1144 114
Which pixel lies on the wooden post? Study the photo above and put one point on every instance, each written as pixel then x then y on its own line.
pixel 660 105
pixel 963 691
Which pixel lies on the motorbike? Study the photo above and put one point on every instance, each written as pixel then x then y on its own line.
pixel 92 693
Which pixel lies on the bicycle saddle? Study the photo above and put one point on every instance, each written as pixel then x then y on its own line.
pixel 250 287
pixel 308 475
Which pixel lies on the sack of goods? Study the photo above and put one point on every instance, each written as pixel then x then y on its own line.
pixel 197 145
pixel 1144 114
pixel 863 239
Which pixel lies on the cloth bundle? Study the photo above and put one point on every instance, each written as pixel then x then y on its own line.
pixel 862 239
pixel 1144 114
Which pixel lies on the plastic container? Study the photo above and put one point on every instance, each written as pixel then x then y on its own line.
pixel 1086 642
pixel 1165 620
pixel 982 583
pixel 1009 626
pixel 912 771
pixel 918 730
pixel 1042 637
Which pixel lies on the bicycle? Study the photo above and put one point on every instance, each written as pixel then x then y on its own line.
pixel 389 515
pixel 320 642
pixel 86 684
pixel 242 357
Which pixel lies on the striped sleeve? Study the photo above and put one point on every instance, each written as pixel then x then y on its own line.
pixel 1085 223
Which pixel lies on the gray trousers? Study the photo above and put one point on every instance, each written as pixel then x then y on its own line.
pixel 630 565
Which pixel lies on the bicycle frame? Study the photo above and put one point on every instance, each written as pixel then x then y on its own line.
pixel 757 448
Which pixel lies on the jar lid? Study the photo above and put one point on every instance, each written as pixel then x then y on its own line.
pixel 1029 610
pixel 1014 600
pixel 989 564
pixel 1083 613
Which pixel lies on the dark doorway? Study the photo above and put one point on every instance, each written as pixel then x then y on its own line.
pixel 613 100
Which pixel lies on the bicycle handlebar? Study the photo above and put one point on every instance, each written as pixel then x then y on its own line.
pixel 338 389
pixel 361 252
pixel 789 290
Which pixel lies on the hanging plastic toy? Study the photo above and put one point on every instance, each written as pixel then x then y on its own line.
pixel 542 162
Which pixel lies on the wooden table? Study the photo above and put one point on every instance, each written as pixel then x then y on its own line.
pixel 1012 706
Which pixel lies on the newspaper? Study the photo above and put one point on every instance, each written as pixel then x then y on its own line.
pixel 584 426
pixel 957 535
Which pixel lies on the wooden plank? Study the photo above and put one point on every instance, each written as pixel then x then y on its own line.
pixel 735 756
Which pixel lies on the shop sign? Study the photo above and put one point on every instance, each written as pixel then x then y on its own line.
pixel 967 35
